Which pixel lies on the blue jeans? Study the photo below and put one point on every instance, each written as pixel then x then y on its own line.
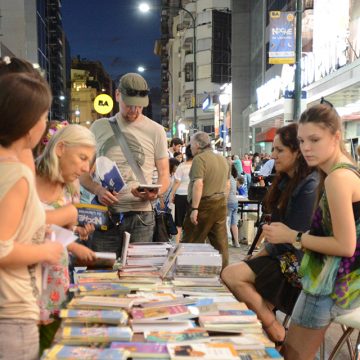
pixel 315 311
pixel 232 213
pixel 140 225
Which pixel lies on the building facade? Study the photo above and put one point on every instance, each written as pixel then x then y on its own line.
pixel 209 62
pixel 262 93
pixel 32 30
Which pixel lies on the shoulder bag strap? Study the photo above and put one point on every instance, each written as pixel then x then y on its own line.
pixel 126 150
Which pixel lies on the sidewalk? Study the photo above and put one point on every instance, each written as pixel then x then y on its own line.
pixel 334 332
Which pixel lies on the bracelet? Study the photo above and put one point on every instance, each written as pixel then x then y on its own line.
pixel 194 209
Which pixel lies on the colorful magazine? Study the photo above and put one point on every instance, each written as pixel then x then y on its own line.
pixel 66 352
pixel 94 316
pixel 195 351
pixel 196 334
pixel 143 350
pixel 81 335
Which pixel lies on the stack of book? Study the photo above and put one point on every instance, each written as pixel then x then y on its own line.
pixel 191 317
pixel 200 260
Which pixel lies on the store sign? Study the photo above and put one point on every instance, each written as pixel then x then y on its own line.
pixel 330 52
pixel 103 104
pixel 282 38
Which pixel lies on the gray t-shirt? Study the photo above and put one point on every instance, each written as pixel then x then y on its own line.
pixel 147 142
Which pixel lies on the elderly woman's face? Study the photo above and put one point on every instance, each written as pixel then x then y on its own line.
pixel 74 161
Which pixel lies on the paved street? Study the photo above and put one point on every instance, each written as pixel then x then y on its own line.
pixel 334 332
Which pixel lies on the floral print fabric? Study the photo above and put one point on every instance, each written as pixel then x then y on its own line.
pixel 53 298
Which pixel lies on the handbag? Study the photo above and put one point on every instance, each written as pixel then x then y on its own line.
pixel 164 226
pixel 257 193
pixel 289 266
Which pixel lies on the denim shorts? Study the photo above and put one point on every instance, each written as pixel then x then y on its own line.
pixel 232 213
pixel 315 311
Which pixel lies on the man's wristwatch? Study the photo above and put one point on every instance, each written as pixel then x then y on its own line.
pixel 192 209
pixel 297 244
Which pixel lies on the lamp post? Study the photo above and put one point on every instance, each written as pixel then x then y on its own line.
pixel 144 7
pixel 298 49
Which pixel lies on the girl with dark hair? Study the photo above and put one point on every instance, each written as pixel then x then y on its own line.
pixel 260 281
pixel 24 104
pixel 330 268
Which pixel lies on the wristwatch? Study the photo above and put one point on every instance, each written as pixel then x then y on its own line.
pixel 192 209
pixel 297 244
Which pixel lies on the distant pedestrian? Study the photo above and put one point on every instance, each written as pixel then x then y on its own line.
pixel 175 146
pixel 208 188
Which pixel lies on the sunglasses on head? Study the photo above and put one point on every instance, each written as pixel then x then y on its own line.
pixel 325 102
pixel 133 92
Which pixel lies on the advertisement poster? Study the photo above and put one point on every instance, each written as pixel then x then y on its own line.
pixel 282 38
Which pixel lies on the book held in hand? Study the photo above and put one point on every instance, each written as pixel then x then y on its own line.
pixel 109 174
pixel 93 214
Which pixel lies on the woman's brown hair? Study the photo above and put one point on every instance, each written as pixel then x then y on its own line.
pixel 23 99
pixel 279 198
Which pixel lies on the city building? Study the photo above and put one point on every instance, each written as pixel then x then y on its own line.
pixel 32 30
pixel 182 87
pixel 330 67
pixel 88 79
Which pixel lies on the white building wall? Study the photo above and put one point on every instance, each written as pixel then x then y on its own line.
pixel 18 28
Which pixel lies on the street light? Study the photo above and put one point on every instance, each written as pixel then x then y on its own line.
pixel 144 7
pixel 141 69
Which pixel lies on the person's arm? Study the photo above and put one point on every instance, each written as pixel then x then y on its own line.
pixel 340 199
pixel 82 252
pixel 197 191
pixel 65 216
pixel 105 197
pixel 174 189
pixel 12 208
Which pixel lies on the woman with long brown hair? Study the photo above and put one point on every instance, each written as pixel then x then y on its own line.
pixel 260 281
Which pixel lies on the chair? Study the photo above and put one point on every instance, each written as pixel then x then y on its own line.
pixel 349 323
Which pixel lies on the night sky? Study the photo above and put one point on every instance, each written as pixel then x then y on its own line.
pixel 115 33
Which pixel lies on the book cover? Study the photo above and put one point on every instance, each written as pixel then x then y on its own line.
pixel 101 302
pixel 195 351
pixel 66 352
pixel 103 289
pixel 93 214
pixel 159 312
pixel 264 354
pixel 142 326
pixel 94 316
pixel 88 335
pixel 196 334
pixel 109 174
pixel 142 350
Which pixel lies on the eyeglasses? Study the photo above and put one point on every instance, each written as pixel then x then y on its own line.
pixel 325 102
pixel 133 92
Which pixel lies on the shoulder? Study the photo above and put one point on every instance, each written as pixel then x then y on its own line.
pixel 308 185
pixel 100 124
pixel 342 175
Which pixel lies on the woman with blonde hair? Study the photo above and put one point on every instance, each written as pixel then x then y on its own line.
pixel 67 155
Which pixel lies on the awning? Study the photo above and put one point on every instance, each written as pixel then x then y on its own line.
pixel 266 136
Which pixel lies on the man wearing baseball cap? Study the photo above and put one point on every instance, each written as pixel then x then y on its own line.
pixel 130 209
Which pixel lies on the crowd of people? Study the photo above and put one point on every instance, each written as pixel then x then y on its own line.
pixel 309 267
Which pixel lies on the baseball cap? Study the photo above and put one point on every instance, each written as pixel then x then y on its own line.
pixel 134 90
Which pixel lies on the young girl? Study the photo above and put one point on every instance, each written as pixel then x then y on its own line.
pixel 331 264
pixel 24 105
